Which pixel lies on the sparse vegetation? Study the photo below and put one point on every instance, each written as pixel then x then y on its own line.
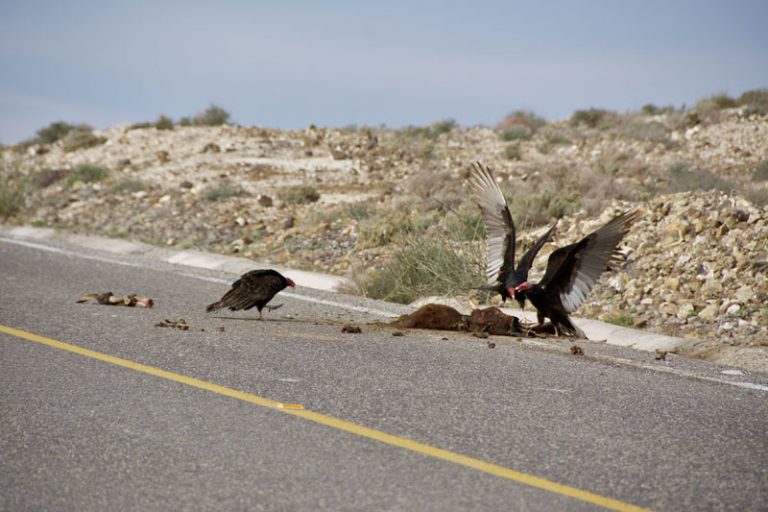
pixel 212 116
pixel 552 139
pixel 755 102
pixel 56 131
pixel 513 151
pixel 87 173
pixel 758 197
pixel 47 177
pixel 761 171
pixel 224 190
pixel 81 138
pixel 515 132
pixel 299 194
pixel 684 179
pixel 128 186
pixel 164 123
pixel 524 118
pixel 390 225
pixel 639 130
pixel 623 319
pixel 426 265
pixel 13 190
pixel 592 118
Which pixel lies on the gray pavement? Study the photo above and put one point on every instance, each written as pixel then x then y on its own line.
pixel 81 434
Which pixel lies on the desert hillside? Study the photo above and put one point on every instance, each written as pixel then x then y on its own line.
pixel 390 209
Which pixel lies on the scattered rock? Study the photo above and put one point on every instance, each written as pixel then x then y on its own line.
pixel 351 329
pixel 660 355
pixel 577 350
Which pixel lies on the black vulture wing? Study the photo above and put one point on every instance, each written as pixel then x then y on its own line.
pixel 254 288
pixel 499 227
pixel 573 270
pixel 526 262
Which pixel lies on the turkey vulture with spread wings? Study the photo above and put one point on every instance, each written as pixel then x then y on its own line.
pixel 503 277
pixel 572 271
pixel 254 289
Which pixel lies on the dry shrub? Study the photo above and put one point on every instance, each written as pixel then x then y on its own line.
pixel 224 190
pixel 81 138
pixel 426 265
pixel 513 151
pixel 87 173
pixel 390 225
pixel 298 194
pixel 436 188
pixel 681 178
pixel 13 190
pixel 761 171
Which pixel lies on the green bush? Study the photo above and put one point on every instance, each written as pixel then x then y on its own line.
pixel 224 190
pixel 298 194
pixel 591 118
pixel 515 132
pixel 87 173
pixel 426 265
pixel 761 171
pixel 684 179
pixel 212 116
pixel 723 101
pixel 551 141
pixel 164 123
pixel 128 186
pixel 758 197
pixel 390 226
pixel 652 132
pixel 13 190
pixel 513 151
pixel 754 102
pixel 81 138
pixel 56 131
pixel 539 207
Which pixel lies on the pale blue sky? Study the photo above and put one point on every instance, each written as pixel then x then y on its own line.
pixel 287 64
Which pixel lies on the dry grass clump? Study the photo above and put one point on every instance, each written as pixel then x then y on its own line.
pixel 81 137
pixel 13 190
pixel 754 102
pixel 212 116
pixel 298 194
pixel 681 178
pixel 436 189
pixel 87 173
pixel 426 265
pixel 224 189
pixel 56 131
pixel 128 186
pixel 593 118
pixel 513 151
pixel 389 225
pixel 761 171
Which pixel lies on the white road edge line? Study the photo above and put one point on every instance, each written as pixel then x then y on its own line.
pixel 362 309
pixel 48 248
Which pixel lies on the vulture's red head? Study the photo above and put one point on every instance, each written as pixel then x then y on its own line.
pixel 290 282
pixel 519 288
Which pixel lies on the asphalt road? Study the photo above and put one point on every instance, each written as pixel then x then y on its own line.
pixel 559 432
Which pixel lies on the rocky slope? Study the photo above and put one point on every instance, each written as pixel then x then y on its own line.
pixel 697 261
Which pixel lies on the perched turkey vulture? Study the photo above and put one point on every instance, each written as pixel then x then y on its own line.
pixel 254 288
pixel 572 271
pixel 500 237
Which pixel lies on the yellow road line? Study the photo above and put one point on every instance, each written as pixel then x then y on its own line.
pixel 339 424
